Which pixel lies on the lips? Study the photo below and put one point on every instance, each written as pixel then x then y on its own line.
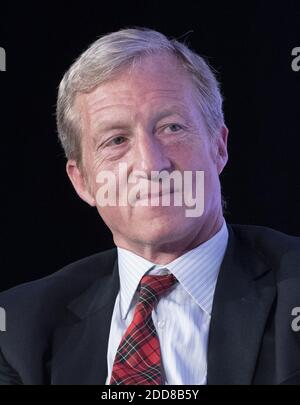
pixel 143 196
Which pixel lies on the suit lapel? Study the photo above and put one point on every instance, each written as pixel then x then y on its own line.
pixel 80 345
pixel 243 298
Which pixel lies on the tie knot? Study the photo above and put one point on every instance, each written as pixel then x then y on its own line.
pixel 152 287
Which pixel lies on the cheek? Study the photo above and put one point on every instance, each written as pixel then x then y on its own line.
pixel 211 186
pixel 183 157
pixel 94 161
pixel 193 153
pixel 95 166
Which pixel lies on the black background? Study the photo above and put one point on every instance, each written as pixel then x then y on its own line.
pixel 44 225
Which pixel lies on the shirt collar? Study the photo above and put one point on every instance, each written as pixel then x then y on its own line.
pixel 197 271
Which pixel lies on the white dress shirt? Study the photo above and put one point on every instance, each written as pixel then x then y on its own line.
pixel 182 317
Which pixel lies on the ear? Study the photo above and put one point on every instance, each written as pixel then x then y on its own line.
pixel 79 182
pixel 221 149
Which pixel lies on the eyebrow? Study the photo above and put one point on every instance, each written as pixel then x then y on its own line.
pixel 119 124
pixel 170 111
pixel 107 125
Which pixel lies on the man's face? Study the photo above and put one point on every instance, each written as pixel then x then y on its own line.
pixel 148 118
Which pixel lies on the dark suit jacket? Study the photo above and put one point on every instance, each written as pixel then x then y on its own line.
pixel 58 327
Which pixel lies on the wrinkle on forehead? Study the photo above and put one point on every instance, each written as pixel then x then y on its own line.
pixel 157 80
pixel 158 74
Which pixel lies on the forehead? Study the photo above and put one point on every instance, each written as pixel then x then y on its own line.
pixel 154 80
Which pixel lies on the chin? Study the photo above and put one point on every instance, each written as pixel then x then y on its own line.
pixel 160 229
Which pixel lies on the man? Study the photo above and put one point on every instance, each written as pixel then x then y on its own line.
pixel 182 299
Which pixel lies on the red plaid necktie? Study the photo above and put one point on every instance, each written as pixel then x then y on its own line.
pixel 138 358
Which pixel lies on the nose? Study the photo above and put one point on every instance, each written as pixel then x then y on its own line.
pixel 150 154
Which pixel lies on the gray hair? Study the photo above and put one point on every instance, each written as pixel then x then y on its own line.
pixel 112 53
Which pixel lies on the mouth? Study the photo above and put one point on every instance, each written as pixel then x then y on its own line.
pixel 149 195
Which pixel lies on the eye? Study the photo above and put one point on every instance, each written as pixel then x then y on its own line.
pixel 173 127
pixel 117 140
